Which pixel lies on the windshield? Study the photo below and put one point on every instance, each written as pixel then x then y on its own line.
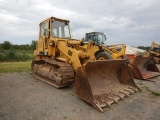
pixel 60 29
pixel 156 50
pixel 97 38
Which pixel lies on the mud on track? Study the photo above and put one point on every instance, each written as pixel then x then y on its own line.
pixel 23 97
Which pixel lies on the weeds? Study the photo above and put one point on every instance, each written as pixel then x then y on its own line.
pixel 155 93
pixel 13 60
pixel 140 83
pixel 152 92
pixel 12 56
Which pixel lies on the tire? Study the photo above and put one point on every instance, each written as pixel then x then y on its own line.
pixel 103 56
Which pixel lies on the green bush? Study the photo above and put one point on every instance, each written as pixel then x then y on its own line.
pixel 12 56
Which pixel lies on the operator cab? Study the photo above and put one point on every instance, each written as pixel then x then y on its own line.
pixel 156 50
pixel 56 28
pixel 49 29
pixel 97 37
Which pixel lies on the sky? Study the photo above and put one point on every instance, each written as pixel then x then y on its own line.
pixel 130 22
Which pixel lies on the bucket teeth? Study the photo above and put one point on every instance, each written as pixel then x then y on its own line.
pixel 121 96
pixel 115 100
pixel 124 92
pixel 135 89
pixel 97 105
pixel 114 97
pixel 129 90
pixel 110 98
pixel 109 104
pixel 104 100
pixel 107 101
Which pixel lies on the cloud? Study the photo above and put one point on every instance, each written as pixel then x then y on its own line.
pixel 134 23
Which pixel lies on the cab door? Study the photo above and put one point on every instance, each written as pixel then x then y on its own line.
pixel 43 38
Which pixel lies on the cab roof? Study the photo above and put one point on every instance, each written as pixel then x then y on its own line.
pixel 54 18
pixel 95 33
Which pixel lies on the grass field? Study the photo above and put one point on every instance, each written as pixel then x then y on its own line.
pixel 15 67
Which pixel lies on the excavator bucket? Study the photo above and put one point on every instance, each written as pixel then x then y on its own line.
pixel 143 68
pixel 102 83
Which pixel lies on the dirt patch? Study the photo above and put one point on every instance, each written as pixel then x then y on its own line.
pixel 24 97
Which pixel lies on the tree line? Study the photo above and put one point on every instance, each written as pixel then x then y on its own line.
pixel 144 48
pixel 6 45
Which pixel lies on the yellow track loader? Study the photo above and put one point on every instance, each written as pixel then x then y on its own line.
pixel 155 52
pixel 60 60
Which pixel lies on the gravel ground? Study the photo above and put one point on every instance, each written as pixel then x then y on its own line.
pixel 23 97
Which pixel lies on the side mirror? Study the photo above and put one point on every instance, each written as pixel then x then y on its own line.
pixel 66 23
pixel 105 37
